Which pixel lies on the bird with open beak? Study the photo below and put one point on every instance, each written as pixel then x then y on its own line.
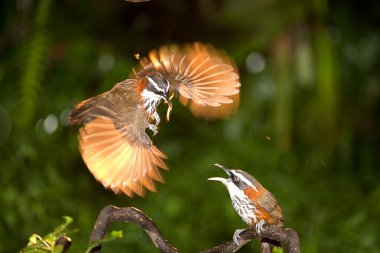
pixel 113 139
pixel 254 204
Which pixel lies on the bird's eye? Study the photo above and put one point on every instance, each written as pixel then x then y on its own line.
pixel 236 178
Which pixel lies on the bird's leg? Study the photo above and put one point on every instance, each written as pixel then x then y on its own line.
pixel 259 229
pixel 236 236
pixel 154 127
pixel 156 117
pixel 259 226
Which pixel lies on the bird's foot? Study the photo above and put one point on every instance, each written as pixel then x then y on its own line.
pixel 153 128
pixel 259 226
pixel 156 118
pixel 236 236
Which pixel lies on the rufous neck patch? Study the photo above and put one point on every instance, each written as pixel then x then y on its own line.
pixel 141 84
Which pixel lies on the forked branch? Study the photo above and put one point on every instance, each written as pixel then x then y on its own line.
pixel 288 238
pixel 111 214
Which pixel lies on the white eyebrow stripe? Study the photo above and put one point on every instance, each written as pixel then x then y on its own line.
pixel 155 84
pixel 246 181
pixel 168 87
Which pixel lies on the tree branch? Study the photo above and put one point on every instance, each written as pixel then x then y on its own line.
pixel 288 238
pixel 64 241
pixel 111 214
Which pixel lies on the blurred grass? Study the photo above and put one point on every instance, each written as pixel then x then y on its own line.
pixel 35 57
pixel 307 127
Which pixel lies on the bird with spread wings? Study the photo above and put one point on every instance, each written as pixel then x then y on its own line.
pixel 113 140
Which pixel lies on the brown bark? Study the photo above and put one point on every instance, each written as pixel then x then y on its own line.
pixel 271 234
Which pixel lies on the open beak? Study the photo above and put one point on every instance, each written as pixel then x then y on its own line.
pixel 227 170
pixel 170 107
pixel 220 179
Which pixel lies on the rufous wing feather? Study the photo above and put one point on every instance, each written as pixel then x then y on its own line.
pixel 116 163
pixel 206 79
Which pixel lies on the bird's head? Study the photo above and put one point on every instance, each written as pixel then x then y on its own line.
pixel 157 89
pixel 237 182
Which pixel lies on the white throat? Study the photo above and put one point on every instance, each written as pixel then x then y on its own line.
pixel 242 205
pixel 150 101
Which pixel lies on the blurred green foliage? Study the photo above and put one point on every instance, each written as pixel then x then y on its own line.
pixel 110 236
pixel 307 127
pixel 47 243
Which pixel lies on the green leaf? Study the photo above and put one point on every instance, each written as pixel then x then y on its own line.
pixel 277 250
pixel 58 249
pixel 47 243
pixel 115 234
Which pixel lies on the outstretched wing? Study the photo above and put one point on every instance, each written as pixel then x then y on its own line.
pixel 205 78
pixel 113 142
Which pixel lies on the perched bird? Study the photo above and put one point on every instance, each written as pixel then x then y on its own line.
pixel 113 140
pixel 255 204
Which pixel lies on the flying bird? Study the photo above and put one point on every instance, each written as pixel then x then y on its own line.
pixel 113 140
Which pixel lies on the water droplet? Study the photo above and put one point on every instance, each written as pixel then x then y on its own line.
pixel 50 124
pixel 255 62
pixel 64 117
pixel 106 62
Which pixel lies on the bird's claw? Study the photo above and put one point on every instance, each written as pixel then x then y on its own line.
pixel 259 227
pixel 156 118
pixel 236 236
pixel 153 128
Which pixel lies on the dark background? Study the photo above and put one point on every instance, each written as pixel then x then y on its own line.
pixel 307 127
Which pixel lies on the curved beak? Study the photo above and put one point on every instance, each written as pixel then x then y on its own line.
pixel 227 170
pixel 220 179
pixel 170 107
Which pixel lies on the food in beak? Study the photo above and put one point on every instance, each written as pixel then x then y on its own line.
pixel 168 112
pixel 170 107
